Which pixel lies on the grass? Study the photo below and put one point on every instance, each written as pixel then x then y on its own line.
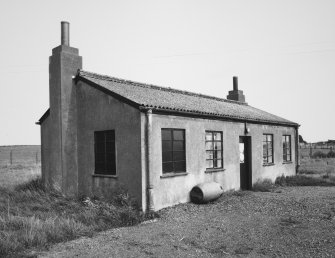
pixel 12 175
pixel 265 185
pixel 34 217
pixel 301 180
pixel 317 166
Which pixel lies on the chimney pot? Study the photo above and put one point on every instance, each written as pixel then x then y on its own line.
pixel 65 33
pixel 235 83
pixel 236 94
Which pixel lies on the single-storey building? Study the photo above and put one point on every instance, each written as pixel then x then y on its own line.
pixel 102 132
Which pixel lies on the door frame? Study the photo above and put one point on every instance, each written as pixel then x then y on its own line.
pixel 247 156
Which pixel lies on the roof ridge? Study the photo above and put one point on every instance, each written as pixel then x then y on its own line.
pixel 152 86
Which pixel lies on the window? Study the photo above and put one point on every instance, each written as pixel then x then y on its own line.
pixel 267 149
pixel 287 148
pixel 104 149
pixel 213 149
pixel 173 150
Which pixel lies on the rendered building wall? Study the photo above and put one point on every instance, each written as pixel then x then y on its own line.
pixel 173 190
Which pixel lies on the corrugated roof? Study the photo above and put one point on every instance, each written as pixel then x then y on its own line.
pixel 168 99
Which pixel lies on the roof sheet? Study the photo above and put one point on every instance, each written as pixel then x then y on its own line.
pixel 162 98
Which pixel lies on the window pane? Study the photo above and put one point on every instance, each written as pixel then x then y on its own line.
pixel 217 154
pixel 217 145
pixel 166 134
pixel 110 167
pixel 209 163
pixel 209 136
pixel 110 147
pixel 288 158
pixel 99 157
pixel 167 146
pixel 209 155
pixel 99 137
pixel 269 138
pixel 219 163
pixel 178 134
pixel 99 166
pixel 265 160
pixel 178 145
pixel 265 152
pixel 270 159
pixel 178 155
pixel 209 145
pixel 167 167
pixel 265 145
pixel 217 136
pixel 180 166
pixel 100 147
pixel 264 138
pixel 110 136
pixel 167 156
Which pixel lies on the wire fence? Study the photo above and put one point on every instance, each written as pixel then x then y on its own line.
pixel 20 155
pixel 308 152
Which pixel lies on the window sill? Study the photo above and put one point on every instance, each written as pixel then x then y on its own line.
pixel 102 175
pixel 287 162
pixel 174 174
pixel 268 164
pixel 214 170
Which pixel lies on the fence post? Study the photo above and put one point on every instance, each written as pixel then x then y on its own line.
pixel 11 157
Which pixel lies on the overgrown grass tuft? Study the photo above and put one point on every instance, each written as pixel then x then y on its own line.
pixel 265 185
pixel 32 216
pixel 300 180
pixel 32 185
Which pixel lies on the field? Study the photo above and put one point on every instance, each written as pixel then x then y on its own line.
pixel 19 164
pixel 34 217
pixel 285 221
pixel 307 152
pixel 317 167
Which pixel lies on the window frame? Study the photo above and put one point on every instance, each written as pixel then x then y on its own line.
pixel 173 151
pixel 287 147
pixel 213 150
pixel 268 143
pixel 105 153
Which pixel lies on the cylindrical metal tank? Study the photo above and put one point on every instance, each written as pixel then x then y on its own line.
pixel 205 192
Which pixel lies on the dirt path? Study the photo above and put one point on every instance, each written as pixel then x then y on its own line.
pixel 296 221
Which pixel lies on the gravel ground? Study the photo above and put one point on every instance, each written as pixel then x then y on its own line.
pixel 289 222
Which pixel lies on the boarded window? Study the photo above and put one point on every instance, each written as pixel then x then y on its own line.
pixel 268 149
pixel 287 152
pixel 173 151
pixel 213 144
pixel 104 151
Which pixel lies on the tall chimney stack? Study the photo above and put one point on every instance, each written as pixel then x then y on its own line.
pixel 236 94
pixel 62 126
pixel 235 83
pixel 65 34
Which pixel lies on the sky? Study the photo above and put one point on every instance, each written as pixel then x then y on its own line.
pixel 282 51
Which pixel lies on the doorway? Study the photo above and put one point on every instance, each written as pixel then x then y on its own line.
pixel 245 163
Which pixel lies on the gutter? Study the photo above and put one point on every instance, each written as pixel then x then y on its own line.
pixel 297 151
pixel 148 141
pixel 213 116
